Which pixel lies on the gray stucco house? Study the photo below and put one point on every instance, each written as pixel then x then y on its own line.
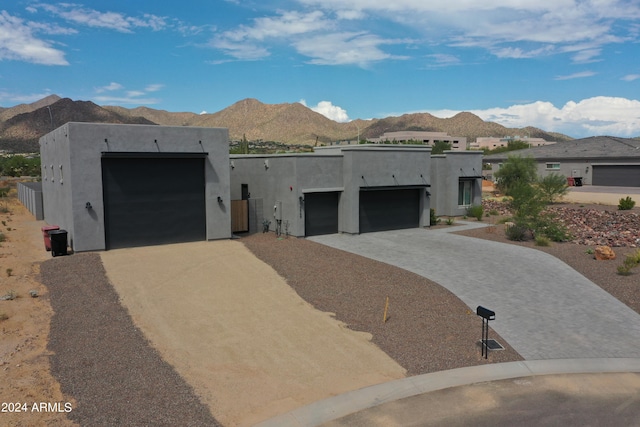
pixel 598 160
pixel 355 188
pixel 113 186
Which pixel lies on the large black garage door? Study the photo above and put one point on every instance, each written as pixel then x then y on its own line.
pixel 617 175
pixel 153 201
pixel 321 213
pixel 389 209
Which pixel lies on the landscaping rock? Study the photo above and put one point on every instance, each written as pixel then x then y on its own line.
pixel 604 253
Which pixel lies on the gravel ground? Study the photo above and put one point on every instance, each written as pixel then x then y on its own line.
pixel 428 328
pixel 103 361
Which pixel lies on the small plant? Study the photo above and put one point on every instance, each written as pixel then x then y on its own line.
pixel 265 225
pixel 11 295
pixel 589 251
pixel 433 219
pixel 542 241
pixel 516 232
pixel 450 221
pixel 626 204
pixel 9 272
pixel 494 212
pixel 631 261
pixel 3 317
pixel 475 211
pixel 3 238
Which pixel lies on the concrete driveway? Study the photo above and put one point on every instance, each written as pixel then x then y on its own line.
pixel 544 308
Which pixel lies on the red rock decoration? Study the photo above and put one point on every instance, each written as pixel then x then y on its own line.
pixel 603 253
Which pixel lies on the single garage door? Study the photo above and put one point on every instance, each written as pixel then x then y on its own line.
pixel 617 175
pixel 389 209
pixel 153 201
pixel 321 213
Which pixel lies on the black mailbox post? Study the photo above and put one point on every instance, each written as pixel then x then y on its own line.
pixel 486 315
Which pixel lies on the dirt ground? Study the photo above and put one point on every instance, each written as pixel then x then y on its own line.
pixel 185 299
pixel 24 362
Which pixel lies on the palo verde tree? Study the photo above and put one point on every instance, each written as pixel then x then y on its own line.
pixel 529 197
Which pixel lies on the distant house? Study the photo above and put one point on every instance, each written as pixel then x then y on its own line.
pixel 492 143
pixel 458 143
pixel 599 160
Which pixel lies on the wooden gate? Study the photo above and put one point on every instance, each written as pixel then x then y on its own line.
pixel 239 216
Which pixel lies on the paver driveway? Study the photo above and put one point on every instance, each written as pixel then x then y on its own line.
pixel 544 308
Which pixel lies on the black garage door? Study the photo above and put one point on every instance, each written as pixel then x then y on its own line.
pixel 153 201
pixel 617 175
pixel 389 209
pixel 320 213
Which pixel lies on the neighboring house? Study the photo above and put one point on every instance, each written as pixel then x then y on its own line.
pixel 599 160
pixel 354 189
pixel 113 186
pixel 458 143
pixel 492 143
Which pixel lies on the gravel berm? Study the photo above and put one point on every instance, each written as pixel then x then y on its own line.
pixel 103 361
pixel 428 328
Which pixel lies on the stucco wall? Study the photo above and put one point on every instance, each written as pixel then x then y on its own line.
pixel 447 170
pixel 78 147
pixel 284 179
pixel 382 166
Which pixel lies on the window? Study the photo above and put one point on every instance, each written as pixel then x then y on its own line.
pixel 465 192
pixel 553 166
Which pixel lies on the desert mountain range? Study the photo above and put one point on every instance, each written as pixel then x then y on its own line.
pixel 293 124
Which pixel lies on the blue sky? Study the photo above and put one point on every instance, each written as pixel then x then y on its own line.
pixel 571 66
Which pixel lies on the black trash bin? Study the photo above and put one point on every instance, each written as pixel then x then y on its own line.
pixel 58 242
pixel 578 180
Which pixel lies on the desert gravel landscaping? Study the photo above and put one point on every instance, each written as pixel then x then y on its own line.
pixel 105 349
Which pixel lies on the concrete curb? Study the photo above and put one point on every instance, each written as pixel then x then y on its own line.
pixel 358 400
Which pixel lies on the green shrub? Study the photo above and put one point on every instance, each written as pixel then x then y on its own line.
pixel 626 204
pixel 553 186
pixel 433 219
pixel 542 241
pixel 475 211
pixel 450 221
pixel 548 226
pixel 494 212
pixel 631 261
pixel 516 232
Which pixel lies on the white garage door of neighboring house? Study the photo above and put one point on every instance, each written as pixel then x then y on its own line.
pixel 153 200
pixel 389 209
pixel 616 175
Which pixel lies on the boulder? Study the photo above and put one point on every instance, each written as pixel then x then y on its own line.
pixel 603 253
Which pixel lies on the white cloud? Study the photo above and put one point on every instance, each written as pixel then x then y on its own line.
pixel 631 77
pixel 15 98
pixel 507 28
pixel 110 87
pixel 579 75
pixel 344 48
pixel 18 42
pixel 330 111
pixel 116 100
pixel 443 60
pixel 128 96
pixel 312 34
pixel 109 20
pixel 593 116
